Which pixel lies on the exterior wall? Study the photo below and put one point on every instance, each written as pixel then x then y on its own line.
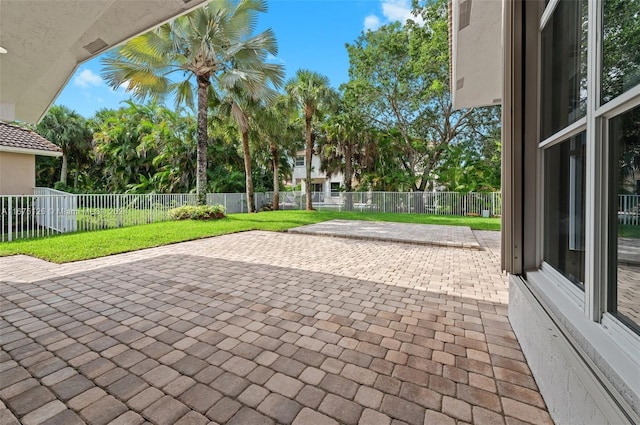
pixel 17 173
pixel 299 174
pixel 573 393
pixel 586 368
pixel 476 53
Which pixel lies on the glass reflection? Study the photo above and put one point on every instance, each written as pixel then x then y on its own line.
pixel 621 47
pixel 564 67
pixel 564 205
pixel 624 251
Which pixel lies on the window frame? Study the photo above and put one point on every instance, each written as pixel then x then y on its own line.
pixel 334 193
pixel 593 302
pixel 575 294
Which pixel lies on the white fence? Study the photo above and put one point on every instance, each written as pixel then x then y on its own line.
pixel 49 212
pixel 629 209
pixel 439 203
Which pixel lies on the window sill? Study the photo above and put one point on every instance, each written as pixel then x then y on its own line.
pixel 611 353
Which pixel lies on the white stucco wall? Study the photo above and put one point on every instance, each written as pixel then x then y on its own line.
pixel 17 173
pixel 299 174
pixel 477 55
pixel 573 394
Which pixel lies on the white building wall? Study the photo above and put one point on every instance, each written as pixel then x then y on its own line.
pixel 572 392
pixel 299 174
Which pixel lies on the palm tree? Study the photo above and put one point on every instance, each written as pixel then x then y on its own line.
pixel 68 130
pixel 278 130
pixel 213 44
pixel 311 92
pixel 244 102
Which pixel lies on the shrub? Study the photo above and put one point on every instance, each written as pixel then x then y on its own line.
pixel 201 212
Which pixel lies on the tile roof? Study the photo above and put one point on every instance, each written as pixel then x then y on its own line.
pixel 12 136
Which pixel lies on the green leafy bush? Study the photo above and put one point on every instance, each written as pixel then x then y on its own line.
pixel 201 212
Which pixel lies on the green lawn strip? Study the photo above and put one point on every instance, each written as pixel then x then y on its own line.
pixel 87 245
pixel 628 231
pixel 475 223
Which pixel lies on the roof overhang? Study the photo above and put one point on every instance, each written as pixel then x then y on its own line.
pixel 475 29
pixel 46 40
pixel 30 151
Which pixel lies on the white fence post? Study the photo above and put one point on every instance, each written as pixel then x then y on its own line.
pixel 10 219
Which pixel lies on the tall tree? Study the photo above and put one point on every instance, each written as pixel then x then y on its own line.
pixel 344 147
pixel 126 141
pixel 399 78
pixel 68 130
pixel 245 101
pixel 279 134
pixel 311 92
pixel 211 44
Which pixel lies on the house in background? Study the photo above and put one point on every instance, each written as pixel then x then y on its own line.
pixel 567 73
pixel 325 188
pixel 18 150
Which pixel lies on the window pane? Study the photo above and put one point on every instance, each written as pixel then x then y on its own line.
pixel 621 47
pixel 624 251
pixel 564 67
pixel 564 203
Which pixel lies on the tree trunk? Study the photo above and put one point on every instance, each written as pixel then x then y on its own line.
pixel 63 170
pixel 308 156
pixel 348 176
pixel 75 180
pixel 201 172
pixel 247 170
pixel 275 161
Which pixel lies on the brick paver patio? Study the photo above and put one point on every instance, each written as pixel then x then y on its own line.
pixel 264 328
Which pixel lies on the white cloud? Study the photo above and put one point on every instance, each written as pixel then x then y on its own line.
pixel 396 10
pixel 392 10
pixel 371 22
pixel 274 59
pixel 87 78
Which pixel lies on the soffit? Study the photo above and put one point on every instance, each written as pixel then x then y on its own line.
pixel 46 40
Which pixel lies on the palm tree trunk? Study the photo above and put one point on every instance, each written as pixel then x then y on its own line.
pixel 247 169
pixel 348 176
pixel 275 161
pixel 308 155
pixel 63 170
pixel 201 173
pixel 75 180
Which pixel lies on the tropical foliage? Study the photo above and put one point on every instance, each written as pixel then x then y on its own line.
pixel 214 46
pixel 236 127
pixel 313 96
pixel 200 212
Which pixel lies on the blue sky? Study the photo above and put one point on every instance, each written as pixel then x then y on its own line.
pixel 311 34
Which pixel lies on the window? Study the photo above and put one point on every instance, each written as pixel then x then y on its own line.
pixel 564 202
pixel 335 189
pixel 563 103
pixel 620 52
pixel 300 161
pixel 564 67
pixel 317 187
pixel 624 225
pixel 589 146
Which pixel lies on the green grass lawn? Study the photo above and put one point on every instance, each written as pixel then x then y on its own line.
pixel 628 231
pixel 87 245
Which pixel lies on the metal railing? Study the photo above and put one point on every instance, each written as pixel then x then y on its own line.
pixel 629 209
pixel 50 212
pixel 439 203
